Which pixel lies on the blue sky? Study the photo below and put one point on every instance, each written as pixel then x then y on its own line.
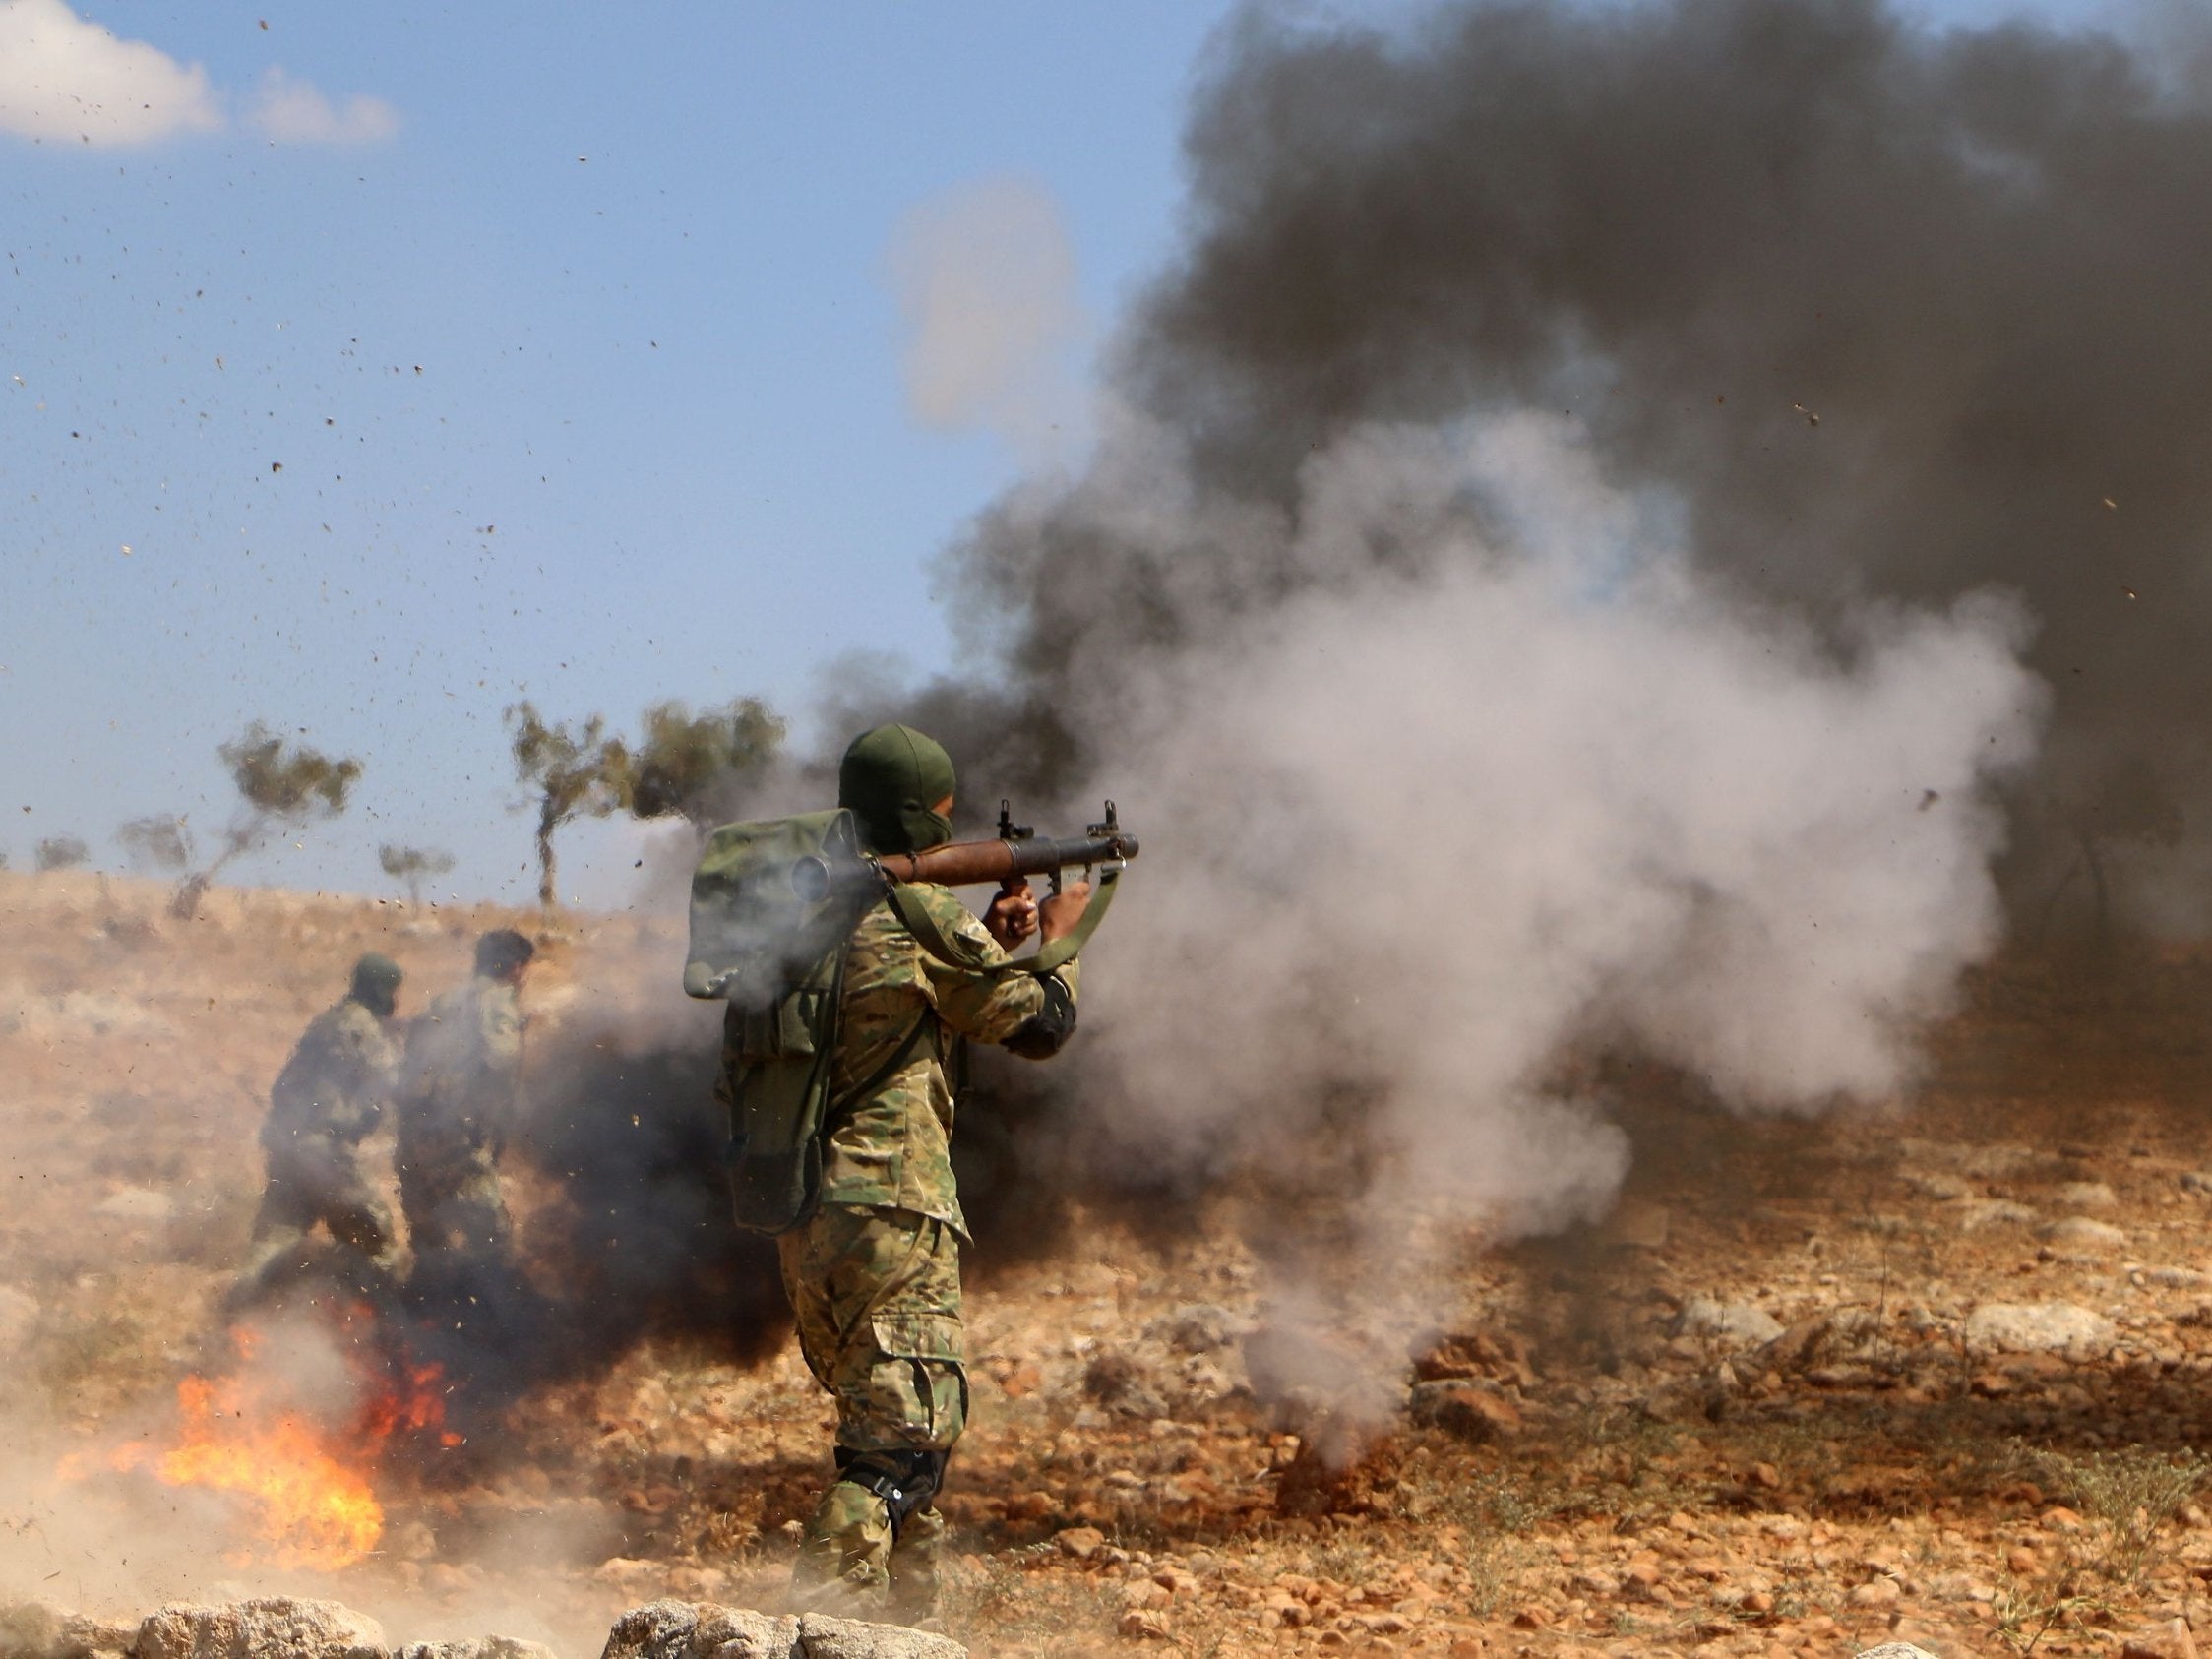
pixel 366 368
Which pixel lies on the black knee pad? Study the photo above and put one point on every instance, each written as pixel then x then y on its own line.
pixel 905 1480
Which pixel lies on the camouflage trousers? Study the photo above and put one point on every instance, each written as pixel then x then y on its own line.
pixel 876 1296
pixel 452 1198
pixel 313 1177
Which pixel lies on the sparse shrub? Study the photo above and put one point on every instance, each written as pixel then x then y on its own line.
pixel 698 766
pixel 2127 1501
pixel 156 842
pixel 411 865
pixel 278 783
pixel 569 771
pixel 61 852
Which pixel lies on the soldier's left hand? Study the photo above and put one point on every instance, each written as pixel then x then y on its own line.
pixel 1012 916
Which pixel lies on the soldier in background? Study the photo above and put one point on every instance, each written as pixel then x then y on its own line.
pixel 325 1102
pixel 460 1094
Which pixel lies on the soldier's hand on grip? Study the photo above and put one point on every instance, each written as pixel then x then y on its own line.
pixel 1059 915
pixel 1012 915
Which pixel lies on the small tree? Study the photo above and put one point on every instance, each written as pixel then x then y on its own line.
pixel 278 783
pixel 155 843
pixel 698 766
pixel 61 852
pixel 568 771
pixel 411 864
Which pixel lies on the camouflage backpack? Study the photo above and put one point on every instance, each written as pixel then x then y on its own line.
pixel 768 931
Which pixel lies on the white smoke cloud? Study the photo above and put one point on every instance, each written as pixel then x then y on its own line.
pixel 290 110
pixel 986 277
pixel 65 77
pixel 1503 778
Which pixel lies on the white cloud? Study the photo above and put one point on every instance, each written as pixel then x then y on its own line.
pixel 294 111
pixel 986 276
pixel 64 78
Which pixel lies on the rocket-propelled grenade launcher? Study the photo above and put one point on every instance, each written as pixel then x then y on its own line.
pixel 771 895
pixel 1018 851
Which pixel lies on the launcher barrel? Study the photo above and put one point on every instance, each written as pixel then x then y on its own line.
pixel 961 864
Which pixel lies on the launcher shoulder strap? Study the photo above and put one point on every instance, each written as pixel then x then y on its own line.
pixel 954 950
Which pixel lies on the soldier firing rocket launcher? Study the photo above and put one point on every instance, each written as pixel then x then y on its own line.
pixel 768 899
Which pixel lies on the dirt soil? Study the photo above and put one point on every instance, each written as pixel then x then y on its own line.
pixel 1780 1401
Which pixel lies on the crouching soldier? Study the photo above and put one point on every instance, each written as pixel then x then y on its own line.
pixel 460 1094
pixel 874 1275
pixel 325 1102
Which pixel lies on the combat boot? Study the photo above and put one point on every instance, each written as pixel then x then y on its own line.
pixel 917 1564
pixel 844 1567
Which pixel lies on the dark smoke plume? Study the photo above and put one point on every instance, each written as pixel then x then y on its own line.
pixel 1893 313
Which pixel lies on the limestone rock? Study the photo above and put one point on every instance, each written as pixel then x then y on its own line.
pixel 2037 1327
pixel 1974 1214
pixel 38 1630
pixel 1727 1324
pixel 475 1647
pixel 823 1638
pixel 2081 1233
pixel 268 1628
pixel 2088 1195
pixel 678 1630
pixel 2168 1640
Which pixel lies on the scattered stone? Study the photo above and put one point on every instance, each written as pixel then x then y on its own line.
pixel 1894 1650
pixel 1977 1214
pixel 677 1629
pixel 2001 1162
pixel 2197 1180
pixel 1121 1383
pixel 1081 1542
pixel 2037 1327
pixel 38 1630
pixel 1501 1355
pixel 137 1203
pixel 2177 1278
pixel 823 1638
pixel 266 1628
pixel 1935 1184
pixel 2168 1640
pixel 1727 1324
pixel 2079 1232
pixel 1144 1623
pixel 1470 1409
pixel 476 1647
pixel 2088 1195
pixel 1203 1328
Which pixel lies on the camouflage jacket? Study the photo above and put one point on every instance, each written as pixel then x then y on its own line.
pixel 891 1145
pixel 462 1085
pixel 336 1082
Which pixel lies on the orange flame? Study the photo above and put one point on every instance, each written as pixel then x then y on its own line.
pixel 315 1504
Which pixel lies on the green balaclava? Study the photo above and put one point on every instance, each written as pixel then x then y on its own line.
pixel 890 777
pixel 376 984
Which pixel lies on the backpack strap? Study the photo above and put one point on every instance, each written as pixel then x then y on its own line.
pixel 882 1074
pixel 907 905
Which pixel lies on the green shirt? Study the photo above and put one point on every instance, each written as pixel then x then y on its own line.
pixel 892 1147
pixel 336 1082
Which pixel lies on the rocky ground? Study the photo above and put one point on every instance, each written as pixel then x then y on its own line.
pixel 1935 1374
